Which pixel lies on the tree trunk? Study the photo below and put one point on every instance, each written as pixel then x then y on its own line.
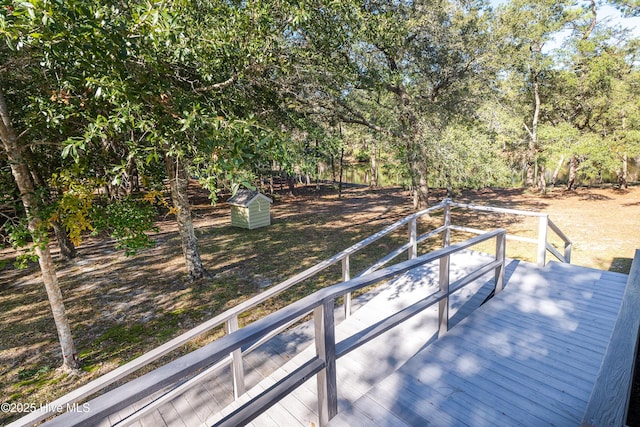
pixel 542 181
pixel 317 158
pixel 132 175
pixel 423 191
pixel 573 172
pixel 554 177
pixel 178 182
pixel 530 171
pixel 374 166
pixel 67 248
pixel 333 169
pixel 414 181
pixel 291 182
pixel 624 172
pixel 420 190
pixel 341 166
pixel 531 159
pixel 21 174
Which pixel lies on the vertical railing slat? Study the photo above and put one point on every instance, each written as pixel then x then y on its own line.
pixel 501 256
pixel 346 276
pixel 326 350
pixel 413 238
pixel 445 263
pixel 443 304
pixel 542 240
pixel 446 239
pixel 237 366
pixel 567 252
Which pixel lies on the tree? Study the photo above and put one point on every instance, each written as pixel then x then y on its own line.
pixel 525 28
pixel 628 7
pixel 21 174
pixel 402 69
pixel 593 105
pixel 166 95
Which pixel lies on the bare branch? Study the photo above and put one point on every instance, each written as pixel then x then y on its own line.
pixel 219 86
pixel 528 130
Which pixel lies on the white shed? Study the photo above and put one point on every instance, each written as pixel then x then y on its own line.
pixel 250 209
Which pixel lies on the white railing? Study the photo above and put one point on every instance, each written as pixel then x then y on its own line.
pixel 229 318
pixel 542 241
pixel 328 351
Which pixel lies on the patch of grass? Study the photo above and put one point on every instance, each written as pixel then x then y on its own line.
pixel 28 374
pixel 90 368
pixel 123 334
pixel 34 377
pixel 621 265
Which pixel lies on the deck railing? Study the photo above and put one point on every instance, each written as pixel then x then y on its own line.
pixel 323 364
pixel 229 318
pixel 609 401
pixel 542 241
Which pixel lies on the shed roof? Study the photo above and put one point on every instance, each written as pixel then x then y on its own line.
pixel 245 197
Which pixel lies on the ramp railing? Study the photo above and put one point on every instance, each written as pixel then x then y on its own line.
pixel 230 317
pixel 323 364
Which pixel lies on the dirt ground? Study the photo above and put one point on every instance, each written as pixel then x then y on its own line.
pixel 121 307
pixel 603 224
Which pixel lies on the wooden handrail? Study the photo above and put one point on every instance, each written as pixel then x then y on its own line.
pixel 494 209
pixel 609 400
pixel 212 353
pixel 566 258
pixel 229 317
pixel 542 241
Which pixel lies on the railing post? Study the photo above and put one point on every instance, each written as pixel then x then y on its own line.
pixel 443 305
pixel 346 276
pixel 567 252
pixel 542 240
pixel 446 241
pixel 500 256
pixel 413 239
pixel 237 367
pixel 326 351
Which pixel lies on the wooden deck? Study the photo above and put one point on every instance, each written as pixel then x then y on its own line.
pixel 528 357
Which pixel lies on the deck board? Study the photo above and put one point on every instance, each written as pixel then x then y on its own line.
pixel 530 356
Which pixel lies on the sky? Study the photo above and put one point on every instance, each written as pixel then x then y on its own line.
pixel 609 12
pixel 606 13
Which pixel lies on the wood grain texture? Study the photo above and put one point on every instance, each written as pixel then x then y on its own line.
pixel 273 394
pixel 609 399
pixel 362 368
pixel 325 343
pixel 544 331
